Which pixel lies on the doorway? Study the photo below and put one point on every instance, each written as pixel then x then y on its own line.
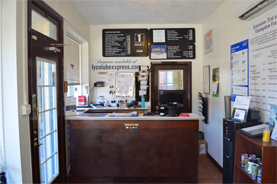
pixel 47 125
pixel 170 76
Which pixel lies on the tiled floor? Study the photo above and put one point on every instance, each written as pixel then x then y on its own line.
pixel 208 172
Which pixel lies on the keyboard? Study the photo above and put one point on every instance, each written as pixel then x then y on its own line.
pixel 255 131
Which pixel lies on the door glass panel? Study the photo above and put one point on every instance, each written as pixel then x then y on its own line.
pixel 43 173
pixel 49 94
pixel 50 145
pixel 55 166
pixel 42 150
pixel 170 79
pixel 41 125
pixel 48 138
pixel 44 26
pixel 47 122
pixel 50 169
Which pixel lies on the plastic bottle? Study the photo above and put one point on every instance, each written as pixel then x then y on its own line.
pixel 142 101
pixel 266 133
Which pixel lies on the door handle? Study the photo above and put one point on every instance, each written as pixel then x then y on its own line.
pixel 35 113
pixel 228 156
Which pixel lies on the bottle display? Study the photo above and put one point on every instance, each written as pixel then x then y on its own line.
pixel 266 133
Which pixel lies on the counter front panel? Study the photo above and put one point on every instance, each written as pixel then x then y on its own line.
pixel 154 149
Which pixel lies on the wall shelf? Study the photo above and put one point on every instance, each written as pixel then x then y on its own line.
pixel 266 151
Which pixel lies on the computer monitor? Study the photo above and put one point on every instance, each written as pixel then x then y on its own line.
pixel 172 99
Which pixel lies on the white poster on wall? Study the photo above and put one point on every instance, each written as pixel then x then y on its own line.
pixel 263 63
pixel 208 42
pixel 115 65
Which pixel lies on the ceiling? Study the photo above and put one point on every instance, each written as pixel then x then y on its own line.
pixel 100 12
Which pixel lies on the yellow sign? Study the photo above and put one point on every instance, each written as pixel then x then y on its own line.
pixel 131 124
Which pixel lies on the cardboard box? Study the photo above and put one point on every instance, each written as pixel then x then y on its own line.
pixel 203 147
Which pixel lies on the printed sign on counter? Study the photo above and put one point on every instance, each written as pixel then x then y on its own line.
pixel 70 107
pixel 242 102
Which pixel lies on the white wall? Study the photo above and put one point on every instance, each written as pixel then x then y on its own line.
pixel 227 30
pixel 80 29
pixel 15 82
pixel 96 53
pixel 14 71
pixel 72 16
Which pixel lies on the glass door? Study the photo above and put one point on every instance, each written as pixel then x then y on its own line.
pixel 47 116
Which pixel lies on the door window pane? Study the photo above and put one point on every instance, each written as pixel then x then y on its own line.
pixel 44 26
pixel 170 79
pixel 42 150
pixel 43 174
pixel 55 166
pixel 49 170
pixel 46 98
pixel 41 124
pixel 46 73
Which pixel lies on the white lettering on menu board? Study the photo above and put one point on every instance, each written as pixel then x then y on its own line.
pixel 263 63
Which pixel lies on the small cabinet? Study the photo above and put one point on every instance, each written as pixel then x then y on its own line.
pixel 266 151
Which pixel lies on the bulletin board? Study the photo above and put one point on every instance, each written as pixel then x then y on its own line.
pixel 124 84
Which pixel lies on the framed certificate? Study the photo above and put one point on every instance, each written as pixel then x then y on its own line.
pixel 206 79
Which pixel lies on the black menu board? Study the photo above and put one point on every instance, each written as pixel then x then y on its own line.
pixel 177 35
pixel 172 43
pixel 181 51
pixel 125 42
pixel 172 51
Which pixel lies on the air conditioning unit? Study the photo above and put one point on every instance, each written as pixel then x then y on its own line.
pixel 250 9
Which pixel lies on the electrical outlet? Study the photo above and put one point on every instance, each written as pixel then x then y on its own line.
pixel 26 109
pixel 86 89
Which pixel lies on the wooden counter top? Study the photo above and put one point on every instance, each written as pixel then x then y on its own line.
pixel 193 116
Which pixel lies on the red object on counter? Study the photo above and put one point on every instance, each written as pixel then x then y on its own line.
pixel 81 100
pixel 184 115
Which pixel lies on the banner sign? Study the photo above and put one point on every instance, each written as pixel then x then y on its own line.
pixel 263 63
pixel 115 65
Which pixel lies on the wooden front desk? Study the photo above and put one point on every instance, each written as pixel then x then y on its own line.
pixel 161 147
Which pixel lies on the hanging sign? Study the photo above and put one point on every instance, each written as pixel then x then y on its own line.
pixel 115 65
